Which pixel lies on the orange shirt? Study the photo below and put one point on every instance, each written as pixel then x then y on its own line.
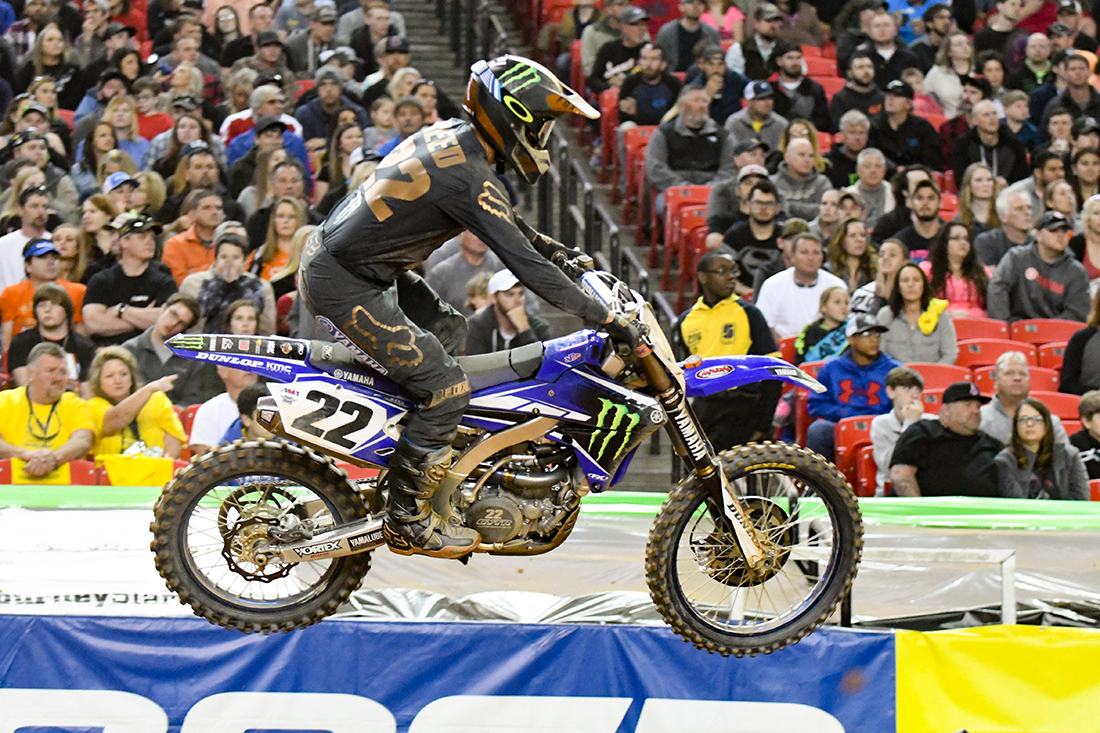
pixel 185 254
pixel 276 264
pixel 16 304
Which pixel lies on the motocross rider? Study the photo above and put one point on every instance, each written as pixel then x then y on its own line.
pixel 356 273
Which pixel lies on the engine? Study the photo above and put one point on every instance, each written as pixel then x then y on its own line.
pixel 524 494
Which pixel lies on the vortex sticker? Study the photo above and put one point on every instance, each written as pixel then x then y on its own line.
pixel 714 372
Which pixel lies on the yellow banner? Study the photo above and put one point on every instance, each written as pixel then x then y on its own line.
pixel 999 679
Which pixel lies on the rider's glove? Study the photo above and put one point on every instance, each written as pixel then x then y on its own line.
pixel 626 331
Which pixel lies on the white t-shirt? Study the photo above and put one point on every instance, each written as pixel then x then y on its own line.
pixel 788 307
pixel 11 258
pixel 212 419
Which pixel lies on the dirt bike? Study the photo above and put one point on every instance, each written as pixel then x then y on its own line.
pixel 749 553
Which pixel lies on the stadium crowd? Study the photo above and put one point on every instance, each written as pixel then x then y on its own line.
pixel 878 177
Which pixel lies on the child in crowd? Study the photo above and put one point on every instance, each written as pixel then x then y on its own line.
pixel 381 117
pixel 923 104
pixel 825 336
pixel 245 427
pixel 1087 440
pixel 905 389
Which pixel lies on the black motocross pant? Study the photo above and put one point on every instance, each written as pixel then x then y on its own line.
pixel 402 326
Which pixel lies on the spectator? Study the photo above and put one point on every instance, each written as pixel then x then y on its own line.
pixel 1058 128
pixel 96 145
pixel 1081 364
pixel 873 296
pixel 617 57
pixel 288 214
pixel 1086 174
pixel 1087 439
pixel 826 336
pixel 855 128
pixel 1017 119
pixel 53 312
pixel 906 140
pixel 1060 197
pixel 727 18
pixel 150 120
pixel 905 389
pixel 215 415
pixel 798 181
pixel 690 149
pixel 855 384
pixel 570 28
pixel 918 326
pixel 878 197
pixel 762 263
pixel 393 55
pixel 758 119
pixel 1035 466
pixel 52 57
pixel 66 238
pixel 246 140
pixel 790 300
pixel 725 86
pixel 849 257
pixel 1031 74
pixel 34 212
pixel 227 281
pixel 336 167
pixel 64 197
pixel 246 426
pixel 126 412
pixel 860 93
pixel 119 187
pixel 241 318
pixel 954 62
pixel 1012 382
pixel 991 65
pixel 595 35
pixel 195 381
pixel 1041 280
pixel 799 24
pixel 269 139
pixel 760 229
pixel 937 23
pixel 1014 211
pixel 1079 98
pixel 304 46
pixel 127 298
pixel 904 184
pixel 889 57
pixel 754 57
pixel 977 193
pixel 736 416
pixel 989 141
pixel 44 425
pixel 728 202
pixel 193 250
pixel 319 116
pixel 827 222
pixel 261 18
pixel 506 324
pixel 647 95
pixel 1001 32
pixel 42 263
pixel 408 115
pixel 449 277
pixel 924 105
pixel 925 222
pixel 267 99
pixel 679 36
pixel 382 124
pixel 797 95
pixel 950 456
pixel 955 273
pixel 851 205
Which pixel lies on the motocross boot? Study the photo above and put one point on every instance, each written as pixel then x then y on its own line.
pixel 411 527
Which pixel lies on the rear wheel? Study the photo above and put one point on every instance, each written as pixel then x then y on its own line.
pixel 808 521
pixel 216 521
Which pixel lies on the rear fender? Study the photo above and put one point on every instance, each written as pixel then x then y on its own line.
pixel 720 373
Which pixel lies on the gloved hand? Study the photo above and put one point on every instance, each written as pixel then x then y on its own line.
pixel 574 266
pixel 626 331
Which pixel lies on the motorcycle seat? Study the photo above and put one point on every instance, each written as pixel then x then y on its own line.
pixel 483 370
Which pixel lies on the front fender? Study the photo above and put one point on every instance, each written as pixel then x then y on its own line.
pixel 720 373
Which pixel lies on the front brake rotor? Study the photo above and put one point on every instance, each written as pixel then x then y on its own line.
pixel 719 556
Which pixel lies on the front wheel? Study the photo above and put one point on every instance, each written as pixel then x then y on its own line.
pixel 808 521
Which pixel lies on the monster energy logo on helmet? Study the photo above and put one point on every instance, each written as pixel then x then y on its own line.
pixel 614 415
pixel 520 76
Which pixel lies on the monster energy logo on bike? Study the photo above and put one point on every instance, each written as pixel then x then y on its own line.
pixel 615 415
pixel 523 75
pixel 195 343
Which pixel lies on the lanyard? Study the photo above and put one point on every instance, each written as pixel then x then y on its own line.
pixel 43 435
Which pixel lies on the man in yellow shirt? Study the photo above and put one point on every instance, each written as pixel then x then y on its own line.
pixel 721 324
pixel 43 426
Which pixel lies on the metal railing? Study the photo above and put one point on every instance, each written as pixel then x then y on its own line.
pixel 474 30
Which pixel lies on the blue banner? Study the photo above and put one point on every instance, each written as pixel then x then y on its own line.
pixel 125 675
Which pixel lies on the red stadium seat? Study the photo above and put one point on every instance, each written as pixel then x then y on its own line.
pixel 820 66
pixel 634 143
pixel 1051 355
pixel 933 400
pixel 1094 489
pixel 940 376
pixel 851 434
pixel 692 249
pixel 84 473
pixel 936 120
pixel 726 45
pixel 983 352
pixel 1042 379
pixel 949 182
pixel 5 471
pixel 576 70
pixel 1059 403
pixel 802 417
pixel 786 348
pixel 302 86
pixel 609 154
pixel 812 52
pixel 866 472
pixel 1071 426
pixel 677 199
pixel 832 84
pixel 980 328
pixel 188 417
pixel 829 50
pixel 1040 331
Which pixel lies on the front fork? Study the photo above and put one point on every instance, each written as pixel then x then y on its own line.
pixel 691 446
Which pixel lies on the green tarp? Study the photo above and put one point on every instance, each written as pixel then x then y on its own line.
pixel 955 512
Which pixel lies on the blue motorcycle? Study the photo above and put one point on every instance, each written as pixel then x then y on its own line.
pixel 749 553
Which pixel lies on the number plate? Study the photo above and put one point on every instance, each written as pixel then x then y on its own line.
pixel 330 416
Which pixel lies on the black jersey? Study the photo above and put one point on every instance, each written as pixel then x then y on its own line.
pixel 430 188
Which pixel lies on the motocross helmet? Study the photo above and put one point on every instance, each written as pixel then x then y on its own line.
pixel 513 103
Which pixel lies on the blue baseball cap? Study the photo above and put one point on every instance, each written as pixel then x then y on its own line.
pixel 115 180
pixel 39 247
